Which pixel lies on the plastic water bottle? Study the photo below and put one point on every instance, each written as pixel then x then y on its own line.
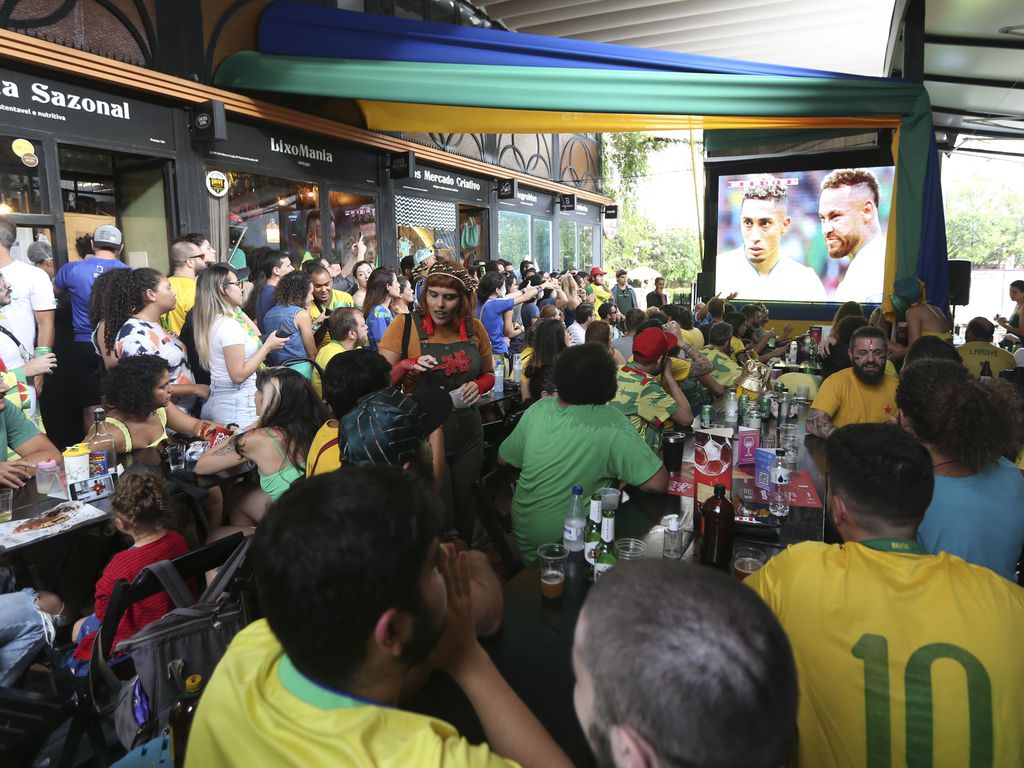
pixel 778 499
pixel 732 407
pixel 575 521
pixel 517 368
pixel 792 352
pixel 499 377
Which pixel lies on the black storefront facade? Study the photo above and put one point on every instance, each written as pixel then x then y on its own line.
pixel 73 156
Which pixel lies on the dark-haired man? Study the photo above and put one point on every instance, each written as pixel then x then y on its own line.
pixel 979 349
pixel 848 212
pixel 759 270
pixel 326 299
pixel 647 403
pixel 641 704
pixel 187 261
pixel 605 447
pixel 357 590
pixel 348 331
pixel 624 344
pixel 863 394
pixel 623 294
pixel 904 658
pixel 578 330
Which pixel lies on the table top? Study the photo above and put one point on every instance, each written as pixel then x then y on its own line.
pixel 533 649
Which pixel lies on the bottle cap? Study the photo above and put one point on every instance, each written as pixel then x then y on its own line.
pixel 577 490
pixel 193 683
pixel 48 464
pixel 673 523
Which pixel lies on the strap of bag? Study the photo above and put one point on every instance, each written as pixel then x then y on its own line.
pixel 406 335
pixel 226 573
pixel 170 580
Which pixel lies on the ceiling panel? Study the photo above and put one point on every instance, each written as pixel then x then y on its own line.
pixel 973 61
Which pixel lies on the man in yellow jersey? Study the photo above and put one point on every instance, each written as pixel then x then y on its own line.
pixel 326 299
pixel 357 591
pixel 597 289
pixel 863 394
pixel 904 658
pixel 348 332
pixel 979 349
pixel 745 675
pixel 187 261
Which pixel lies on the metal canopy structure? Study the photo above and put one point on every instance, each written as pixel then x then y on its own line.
pixel 969 53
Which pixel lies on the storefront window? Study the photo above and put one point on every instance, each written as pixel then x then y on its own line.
pixel 275 213
pixel 542 245
pixel 513 236
pixel 352 215
pixel 19 176
pixel 586 245
pixel 127 191
pixel 425 225
pixel 567 244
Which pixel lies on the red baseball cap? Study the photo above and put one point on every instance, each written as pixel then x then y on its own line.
pixel 597 271
pixel 651 344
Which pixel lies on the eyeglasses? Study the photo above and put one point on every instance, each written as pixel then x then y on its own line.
pixel 231 282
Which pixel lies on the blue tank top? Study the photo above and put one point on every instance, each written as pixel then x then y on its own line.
pixel 280 316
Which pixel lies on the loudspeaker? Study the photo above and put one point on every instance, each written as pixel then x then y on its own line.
pixel 209 123
pixel 959 282
pixel 705 285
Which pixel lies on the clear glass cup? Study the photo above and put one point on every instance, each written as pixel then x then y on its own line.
pixel 630 549
pixel 551 560
pixel 176 457
pixel 789 441
pixel 610 498
pixel 6 504
pixel 745 561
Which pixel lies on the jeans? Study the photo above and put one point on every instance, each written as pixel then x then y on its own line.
pixel 232 403
pixel 23 631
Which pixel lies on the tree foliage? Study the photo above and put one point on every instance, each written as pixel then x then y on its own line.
pixel 674 253
pixel 984 222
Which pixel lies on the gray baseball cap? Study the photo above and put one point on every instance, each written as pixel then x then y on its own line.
pixel 107 235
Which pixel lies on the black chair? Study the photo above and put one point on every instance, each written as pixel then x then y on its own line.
pixel 26 719
pixel 98 693
pixel 493 496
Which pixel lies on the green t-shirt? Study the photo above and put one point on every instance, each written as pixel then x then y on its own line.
pixel 724 369
pixel 643 401
pixel 558 447
pixel 15 429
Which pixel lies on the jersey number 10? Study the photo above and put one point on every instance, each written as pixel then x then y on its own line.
pixel 873 650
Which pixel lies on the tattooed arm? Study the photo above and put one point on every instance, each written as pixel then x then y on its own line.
pixel 819 423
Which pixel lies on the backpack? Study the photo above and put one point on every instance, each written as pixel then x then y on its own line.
pixel 189 640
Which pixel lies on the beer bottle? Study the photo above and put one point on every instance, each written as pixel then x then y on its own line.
pixel 592 535
pixel 716 530
pixel 180 718
pixel 604 555
pixel 986 371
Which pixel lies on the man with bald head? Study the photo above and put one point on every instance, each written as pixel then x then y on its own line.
pixel 848 212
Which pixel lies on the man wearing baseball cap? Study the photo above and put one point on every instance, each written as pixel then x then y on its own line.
pixel 76 279
pixel 646 403
pixel 597 288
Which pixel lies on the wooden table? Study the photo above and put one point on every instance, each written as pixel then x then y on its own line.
pixel 533 649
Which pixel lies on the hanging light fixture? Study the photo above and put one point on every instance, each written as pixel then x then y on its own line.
pixel 273 233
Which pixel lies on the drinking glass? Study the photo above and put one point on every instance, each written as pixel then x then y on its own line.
pixel 630 549
pixel 551 558
pixel 176 457
pixel 745 561
pixel 789 441
pixel 610 498
pixel 6 504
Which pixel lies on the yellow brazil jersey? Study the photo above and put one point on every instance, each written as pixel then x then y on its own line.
pixel 339 300
pixel 693 336
pixel 903 658
pixel 324 452
pixel 184 300
pixel 323 357
pixel 259 710
pixel 976 353
pixel 847 400
pixel 598 295
pixel 736 345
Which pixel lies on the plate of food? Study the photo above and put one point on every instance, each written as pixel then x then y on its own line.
pixel 58 518
pixel 51 517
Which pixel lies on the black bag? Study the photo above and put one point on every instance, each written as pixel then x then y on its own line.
pixel 190 640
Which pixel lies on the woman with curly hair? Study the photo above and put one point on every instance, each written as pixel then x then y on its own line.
pixel 137 393
pixel 446 346
pixel 548 339
pixel 290 414
pixel 142 512
pixel 970 429
pixel 381 289
pixel 228 346
pixel 133 302
pixel 290 314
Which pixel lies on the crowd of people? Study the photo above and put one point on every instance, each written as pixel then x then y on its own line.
pixel 352 392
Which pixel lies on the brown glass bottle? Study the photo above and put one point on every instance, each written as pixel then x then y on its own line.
pixel 180 717
pixel 716 530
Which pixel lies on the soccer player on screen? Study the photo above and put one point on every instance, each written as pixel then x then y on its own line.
pixel 759 270
pixel 848 212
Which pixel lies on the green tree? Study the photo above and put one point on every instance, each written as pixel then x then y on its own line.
pixel 984 222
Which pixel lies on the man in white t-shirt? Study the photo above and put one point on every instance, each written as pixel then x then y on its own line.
pixel 29 316
pixel 578 330
pixel 759 270
pixel 848 212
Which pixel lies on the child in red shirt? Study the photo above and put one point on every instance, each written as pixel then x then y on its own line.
pixel 141 511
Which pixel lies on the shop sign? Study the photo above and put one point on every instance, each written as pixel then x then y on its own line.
pixel 71 111
pixel 529 201
pixel 216 183
pixel 446 183
pixel 267 150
